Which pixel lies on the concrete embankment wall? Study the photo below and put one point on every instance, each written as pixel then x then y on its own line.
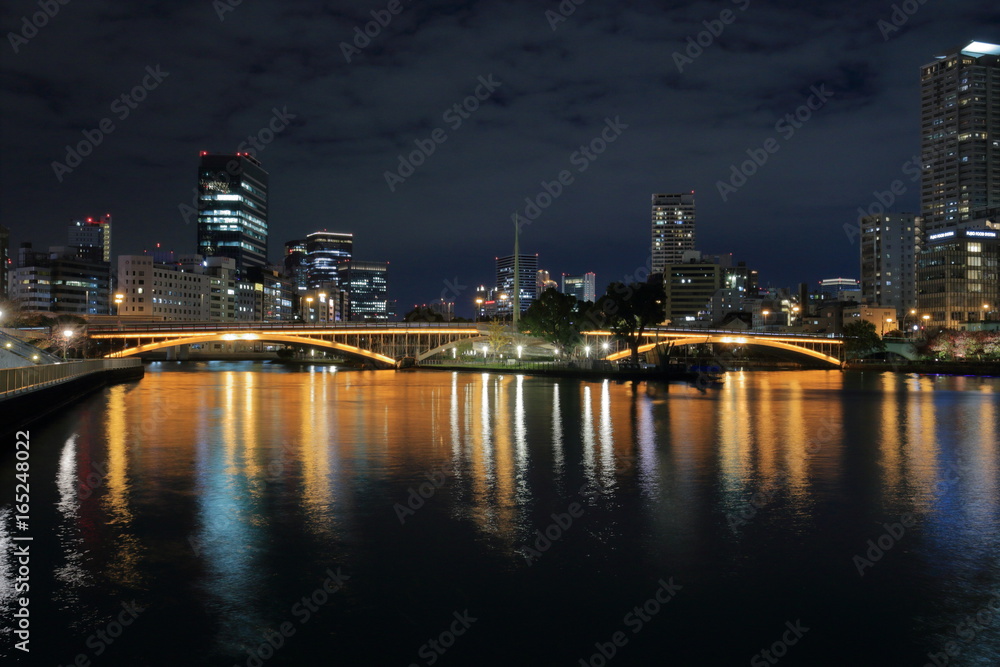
pixel 23 410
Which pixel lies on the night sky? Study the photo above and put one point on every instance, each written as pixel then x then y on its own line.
pixel 225 67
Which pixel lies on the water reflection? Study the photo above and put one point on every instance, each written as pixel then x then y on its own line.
pixel 252 477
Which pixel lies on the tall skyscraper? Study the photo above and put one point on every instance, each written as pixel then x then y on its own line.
pixel 960 135
pixel 527 282
pixel 367 287
pixel 889 245
pixel 583 287
pixel 324 251
pixel 93 237
pixel 673 228
pixel 232 209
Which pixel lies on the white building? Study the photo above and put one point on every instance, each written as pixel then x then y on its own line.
pixel 673 227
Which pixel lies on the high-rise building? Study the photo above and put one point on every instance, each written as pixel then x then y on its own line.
pixel 232 209
pixel 4 260
pixel 960 134
pixel 583 287
pixel 324 251
pixel 296 264
pixel 527 282
pixel 93 237
pixel 889 244
pixel 367 287
pixel 673 228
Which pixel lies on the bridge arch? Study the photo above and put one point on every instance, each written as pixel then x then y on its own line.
pixel 735 340
pixel 264 337
pixel 441 348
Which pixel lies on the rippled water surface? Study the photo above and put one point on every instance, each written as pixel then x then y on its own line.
pixel 383 518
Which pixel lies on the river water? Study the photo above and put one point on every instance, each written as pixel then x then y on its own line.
pixel 241 513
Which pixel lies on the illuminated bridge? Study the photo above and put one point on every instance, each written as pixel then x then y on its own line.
pixel 385 343
pixel 803 347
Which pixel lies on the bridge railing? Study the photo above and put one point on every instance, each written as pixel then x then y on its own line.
pixel 15 381
pixel 194 327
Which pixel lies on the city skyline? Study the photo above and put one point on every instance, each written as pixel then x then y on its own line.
pixel 455 208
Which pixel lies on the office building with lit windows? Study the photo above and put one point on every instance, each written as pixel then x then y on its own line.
pixel 958 283
pixel 960 135
pixel 324 252
pixel 583 287
pixel 232 209
pixel 673 228
pixel 367 287
pixel 92 236
pixel 527 282
pixel 60 280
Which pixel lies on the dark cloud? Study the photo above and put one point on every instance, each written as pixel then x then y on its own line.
pixel 452 217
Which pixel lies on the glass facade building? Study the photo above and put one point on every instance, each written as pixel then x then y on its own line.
pixel 367 287
pixel 324 252
pixel 232 209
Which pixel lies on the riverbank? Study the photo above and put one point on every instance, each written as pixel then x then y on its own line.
pixel 983 368
pixel 22 408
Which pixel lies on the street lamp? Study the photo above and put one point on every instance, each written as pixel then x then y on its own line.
pixel 884 320
pixel 764 313
pixel 520 348
pixel 309 307
pixel 587 351
pixel 67 335
pixel 986 307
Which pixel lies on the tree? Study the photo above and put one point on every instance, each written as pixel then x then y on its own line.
pixel 498 335
pixel 629 309
pixel 860 338
pixel 554 317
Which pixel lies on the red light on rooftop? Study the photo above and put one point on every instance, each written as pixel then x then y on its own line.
pixel 203 153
